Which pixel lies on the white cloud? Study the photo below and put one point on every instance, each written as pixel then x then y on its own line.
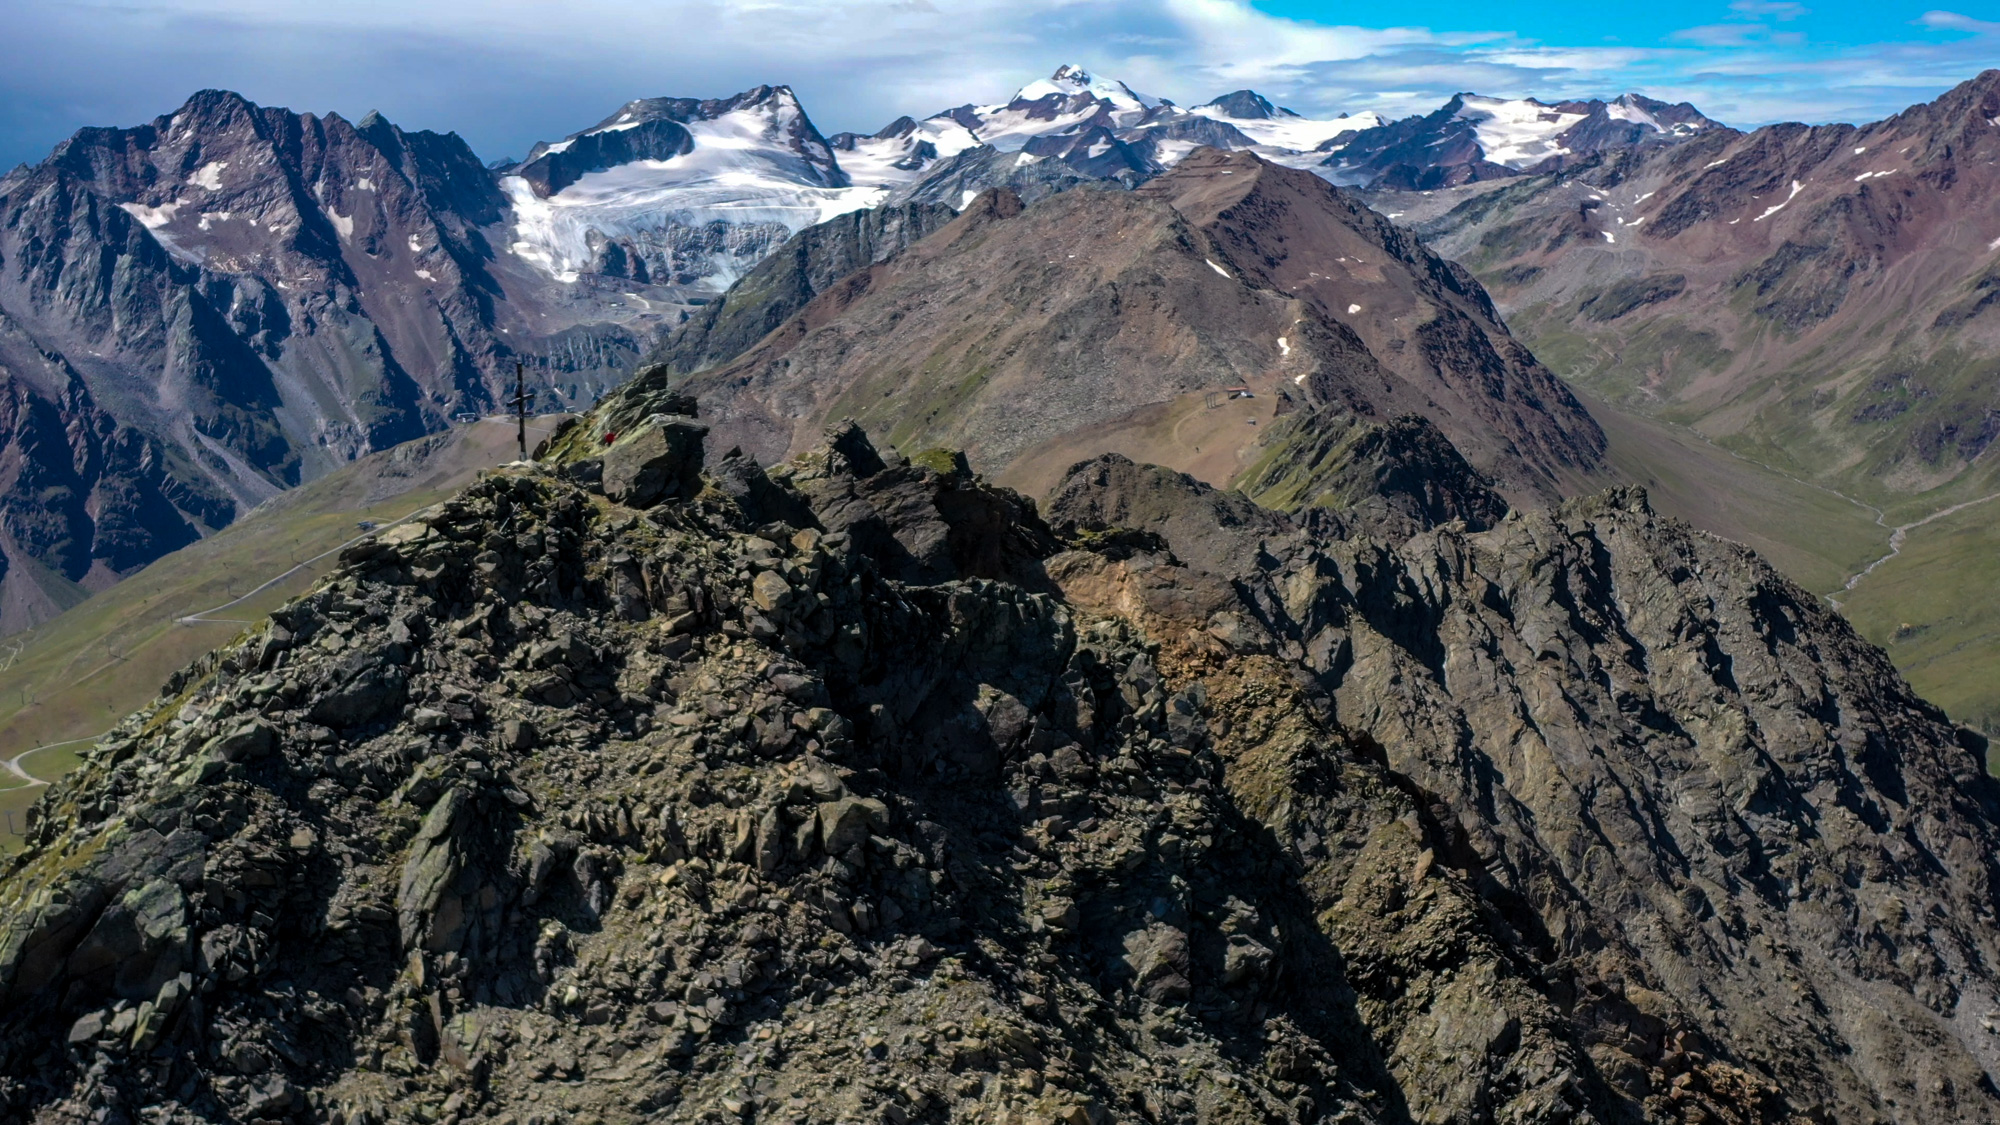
pixel 507 72
pixel 1776 9
pixel 1952 21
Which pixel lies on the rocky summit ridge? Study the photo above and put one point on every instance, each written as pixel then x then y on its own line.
pixel 860 789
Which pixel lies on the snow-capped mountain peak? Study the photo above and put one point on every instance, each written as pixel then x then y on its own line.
pixel 691 192
pixel 1519 132
pixel 638 193
pixel 1244 105
pixel 1275 127
pixel 1073 81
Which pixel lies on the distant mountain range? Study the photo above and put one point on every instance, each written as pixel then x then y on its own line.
pixel 676 191
pixel 231 299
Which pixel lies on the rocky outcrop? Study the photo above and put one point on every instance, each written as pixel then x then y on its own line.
pixel 1390 479
pixel 660 461
pixel 852 789
pixel 1705 814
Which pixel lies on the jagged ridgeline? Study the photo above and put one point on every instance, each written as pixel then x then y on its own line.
pixel 857 790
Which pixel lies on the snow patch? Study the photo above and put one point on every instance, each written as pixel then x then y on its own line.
pixel 426 275
pixel 1994 245
pixel 1859 149
pixel 1299 134
pixel 1516 133
pixel 1609 237
pixel 1623 110
pixel 152 218
pixel 416 247
pixel 1781 206
pixel 965 198
pixel 888 161
pixel 1717 163
pixel 1873 175
pixel 209 175
pixel 364 184
pixel 1284 346
pixel 342 223
pixel 1216 268
pixel 1644 198
pixel 1352 309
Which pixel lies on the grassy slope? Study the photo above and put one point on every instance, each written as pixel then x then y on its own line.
pixel 107 656
pixel 1933 607
pixel 1816 538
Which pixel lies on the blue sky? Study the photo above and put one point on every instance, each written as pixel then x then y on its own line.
pixel 504 73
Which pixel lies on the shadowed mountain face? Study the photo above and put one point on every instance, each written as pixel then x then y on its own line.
pixel 1171 322
pixel 198 312
pixel 857 784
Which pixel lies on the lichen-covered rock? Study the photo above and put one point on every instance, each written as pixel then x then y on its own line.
pixel 661 460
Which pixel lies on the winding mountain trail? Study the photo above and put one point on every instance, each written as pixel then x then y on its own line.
pixel 201 617
pixel 1901 532
pixel 28 780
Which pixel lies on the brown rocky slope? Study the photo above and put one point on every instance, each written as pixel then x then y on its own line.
pixel 1092 321
pixel 1819 297
pixel 856 791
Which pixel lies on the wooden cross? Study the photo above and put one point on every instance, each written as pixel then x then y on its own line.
pixel 520 402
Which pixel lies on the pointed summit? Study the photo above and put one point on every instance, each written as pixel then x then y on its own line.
pixel 1246 105
pixel 1070 81
pixel 1073 75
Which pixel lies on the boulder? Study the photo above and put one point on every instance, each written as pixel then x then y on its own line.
pixel 661 461
pixel 138 943
pixel 368 693
pixel 519 734
pixel 250 740
pixel 850 821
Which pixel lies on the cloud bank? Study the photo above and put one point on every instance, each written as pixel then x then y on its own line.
pixel 505 73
